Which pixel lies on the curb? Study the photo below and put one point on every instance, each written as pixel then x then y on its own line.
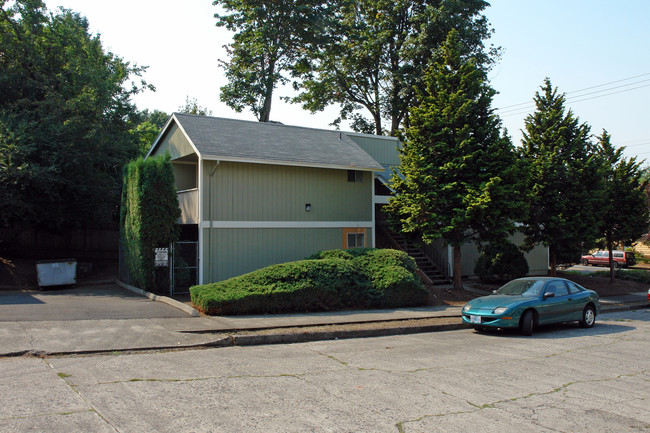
pixel 255 340
pixel 164 299
pixel 259 340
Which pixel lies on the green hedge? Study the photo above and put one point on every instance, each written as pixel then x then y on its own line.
pixel 329 280
pixel 148 215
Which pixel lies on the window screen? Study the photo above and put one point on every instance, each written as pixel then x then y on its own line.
pixel 356 240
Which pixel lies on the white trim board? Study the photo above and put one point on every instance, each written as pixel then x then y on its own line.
pixel 284 224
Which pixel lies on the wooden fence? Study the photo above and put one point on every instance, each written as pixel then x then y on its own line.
pixel 93 244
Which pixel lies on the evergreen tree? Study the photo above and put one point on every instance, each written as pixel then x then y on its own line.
pixel 624 209
pixel 459 175
pixel 563 179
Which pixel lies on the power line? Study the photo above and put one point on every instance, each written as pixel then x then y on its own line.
pixel 611 82
pixel 510 110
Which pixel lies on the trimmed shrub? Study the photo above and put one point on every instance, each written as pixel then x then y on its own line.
pixel 501 262
pixel 329 280
pixel 307 285
pixel 148 215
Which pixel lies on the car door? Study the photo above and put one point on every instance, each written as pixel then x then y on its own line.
pixel 555 308
pixel 577 301
pixel 603 258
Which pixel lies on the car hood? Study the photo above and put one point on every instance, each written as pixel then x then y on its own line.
pixel 493 301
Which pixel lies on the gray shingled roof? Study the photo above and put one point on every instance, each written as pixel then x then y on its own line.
pixel 239 140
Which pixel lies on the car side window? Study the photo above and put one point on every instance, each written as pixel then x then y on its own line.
pixel 573 288
pixel 557 287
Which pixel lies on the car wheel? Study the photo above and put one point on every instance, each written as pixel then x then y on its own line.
pixel 617 265
pixel 527 322
pixel 588 317
pixel 584 262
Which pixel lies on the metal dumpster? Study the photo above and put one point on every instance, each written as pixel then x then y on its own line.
pixel 59 272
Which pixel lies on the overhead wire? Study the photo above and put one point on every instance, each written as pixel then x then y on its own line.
pixel 579 96
pixel 525 107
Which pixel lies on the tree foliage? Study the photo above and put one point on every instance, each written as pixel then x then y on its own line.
pixel 64 103
pixel 145 128
pixel 376 51
pixel 563 177
pixel 192 107
pixel 148 215
pixel 270 36
pixel 624 214
pixel 458 175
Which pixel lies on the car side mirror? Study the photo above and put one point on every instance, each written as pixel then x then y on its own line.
pixel 549 295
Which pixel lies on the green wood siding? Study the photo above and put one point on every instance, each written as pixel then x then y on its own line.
pixel 382 149
pixel 537 258
pixel 231 252
pixel 185 176
pixel 259 192
pixel 175 143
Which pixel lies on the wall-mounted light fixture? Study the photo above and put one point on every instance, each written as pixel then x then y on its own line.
pixel 307 207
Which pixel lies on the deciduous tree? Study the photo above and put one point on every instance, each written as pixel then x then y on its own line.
pixel 64 105
pixel 377 51
pixel 270 37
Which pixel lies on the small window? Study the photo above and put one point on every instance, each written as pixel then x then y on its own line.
pixel 355 176
pixel 618 254
pixel 356 240
pixel 574 288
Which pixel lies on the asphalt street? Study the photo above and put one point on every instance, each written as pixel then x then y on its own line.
pixel 563 379
pixel 98 302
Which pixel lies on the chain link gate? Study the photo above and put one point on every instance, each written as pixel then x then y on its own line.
pixel 184 267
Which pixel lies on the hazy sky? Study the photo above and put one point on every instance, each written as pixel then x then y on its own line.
pixel 590 49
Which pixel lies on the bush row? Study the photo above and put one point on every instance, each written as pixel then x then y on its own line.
pixel 328 280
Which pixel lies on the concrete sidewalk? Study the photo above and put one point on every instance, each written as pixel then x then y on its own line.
pixel 45 338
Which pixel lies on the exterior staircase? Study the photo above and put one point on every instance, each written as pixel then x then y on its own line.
pixel 427 270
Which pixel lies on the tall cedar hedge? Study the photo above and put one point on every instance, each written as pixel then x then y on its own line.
pixel 148 215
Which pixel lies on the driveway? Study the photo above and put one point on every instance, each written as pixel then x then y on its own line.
pixel 104 302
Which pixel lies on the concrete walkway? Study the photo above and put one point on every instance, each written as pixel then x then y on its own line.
pixel 60 337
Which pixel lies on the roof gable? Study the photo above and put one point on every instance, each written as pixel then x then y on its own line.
pixel 271 143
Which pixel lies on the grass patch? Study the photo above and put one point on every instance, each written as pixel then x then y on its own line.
pixel 637 275
pixel 328 280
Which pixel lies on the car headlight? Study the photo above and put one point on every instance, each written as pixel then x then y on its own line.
pixel 500 310
pixel 466 308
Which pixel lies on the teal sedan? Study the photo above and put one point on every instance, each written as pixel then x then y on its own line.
pixel 526 303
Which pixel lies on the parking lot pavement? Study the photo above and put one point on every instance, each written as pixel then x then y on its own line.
pixel 105 302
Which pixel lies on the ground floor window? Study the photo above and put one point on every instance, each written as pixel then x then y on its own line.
pixel 354 238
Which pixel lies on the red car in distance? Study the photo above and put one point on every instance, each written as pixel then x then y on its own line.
pixel 622 259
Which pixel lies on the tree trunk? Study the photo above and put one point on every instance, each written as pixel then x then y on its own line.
pixel 612 271
pixel 458 280
pixel 553 260
pixel 265 114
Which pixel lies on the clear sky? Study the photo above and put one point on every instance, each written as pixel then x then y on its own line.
pixel 595 45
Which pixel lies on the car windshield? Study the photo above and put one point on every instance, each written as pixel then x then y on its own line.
pixel 522 288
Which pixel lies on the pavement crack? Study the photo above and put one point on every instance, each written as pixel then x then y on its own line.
pixel 68 381
pixel 493 405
